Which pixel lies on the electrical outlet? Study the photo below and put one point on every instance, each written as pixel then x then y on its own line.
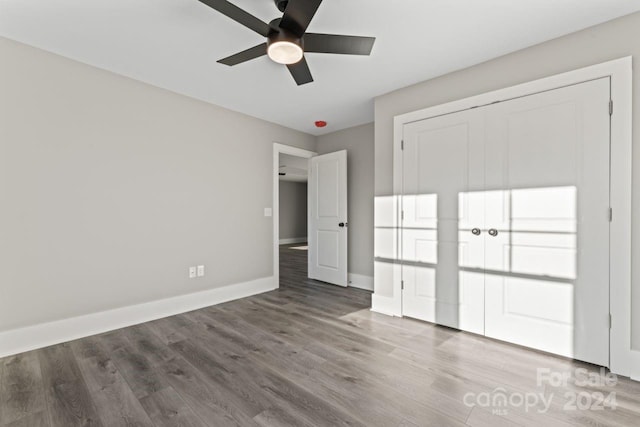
pixel 268 212
pixel 192 272
pixel 201 271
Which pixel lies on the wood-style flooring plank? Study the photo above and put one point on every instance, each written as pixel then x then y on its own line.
pixel 21 388
pixel 277 391
pixel 276 417
pixel 170 329
pixel 167 409
pixel 207 399
pixel 115 402
pixel 39 419
pixel 68 399
pixel 145 342
pixel 216 370
pixel 291 364
pixel 139 373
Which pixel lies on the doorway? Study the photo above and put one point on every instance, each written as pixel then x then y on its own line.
pixel 292 174
pixel 326 214
pixel 290 186
pixel 292 207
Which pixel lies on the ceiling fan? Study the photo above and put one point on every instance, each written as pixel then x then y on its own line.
pixel 292 170
pixel 287 39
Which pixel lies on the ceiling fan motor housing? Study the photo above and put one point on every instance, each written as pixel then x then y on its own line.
pixel 281 4
pixel 282 35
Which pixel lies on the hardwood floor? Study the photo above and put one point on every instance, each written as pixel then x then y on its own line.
pixel 308 354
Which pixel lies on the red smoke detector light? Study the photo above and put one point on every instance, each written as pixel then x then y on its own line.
pixel 321 124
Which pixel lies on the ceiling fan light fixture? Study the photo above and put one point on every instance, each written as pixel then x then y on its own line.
pixel 285 52
pixel 283 46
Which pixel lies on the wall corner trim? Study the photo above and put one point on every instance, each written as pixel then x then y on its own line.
pixel 361 281
pixel 46 334
pixel 385 305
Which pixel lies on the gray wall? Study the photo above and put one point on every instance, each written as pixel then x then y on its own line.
pixel 598 44
pixel 110 189
pixel 358 141
pixel 293 209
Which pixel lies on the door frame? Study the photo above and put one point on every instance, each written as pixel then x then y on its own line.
pixel 277 150
pixel 624 360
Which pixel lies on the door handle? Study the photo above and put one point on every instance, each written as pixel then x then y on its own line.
pixel 493 232
pixel 342 224
pixel 476 231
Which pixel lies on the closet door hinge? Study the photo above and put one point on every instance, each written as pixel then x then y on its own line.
pixel 402 285
pixel 402 144
pixel 611 107
pixel 610 214
pixel 402 215
pixel 610 321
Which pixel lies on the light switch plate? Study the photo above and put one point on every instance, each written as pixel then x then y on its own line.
pixel 201 271
pixel 268 212
pixel 192 272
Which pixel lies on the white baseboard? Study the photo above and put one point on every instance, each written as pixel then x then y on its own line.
pixel 293 240
pixel 361 281
pixel 43 335
pixel 634 366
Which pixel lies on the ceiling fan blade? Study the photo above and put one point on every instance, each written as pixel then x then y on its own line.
pixel 245 55
pixel 300 72
pixel 333 43
pixel 240 16
pixel 298 15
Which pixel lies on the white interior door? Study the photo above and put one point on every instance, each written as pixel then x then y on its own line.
pixel 328 224
pixel 547 260
pixel 443 175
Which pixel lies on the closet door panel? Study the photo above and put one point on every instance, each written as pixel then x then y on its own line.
pixel 442 202
pixel 547 175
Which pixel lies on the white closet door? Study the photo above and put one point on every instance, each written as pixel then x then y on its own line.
pixel 547 178
pixel 443 175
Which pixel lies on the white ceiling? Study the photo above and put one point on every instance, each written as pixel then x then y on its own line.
pixel 174 44
pixel 296 168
